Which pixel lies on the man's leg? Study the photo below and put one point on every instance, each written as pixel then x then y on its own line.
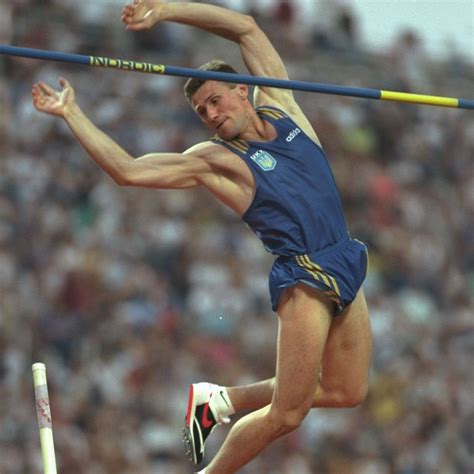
pixel 346 359
pixel 345 365
pixel 304 318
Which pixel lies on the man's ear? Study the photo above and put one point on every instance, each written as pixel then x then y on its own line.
pixel 243 91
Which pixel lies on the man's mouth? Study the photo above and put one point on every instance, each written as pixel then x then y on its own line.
pixel 220 125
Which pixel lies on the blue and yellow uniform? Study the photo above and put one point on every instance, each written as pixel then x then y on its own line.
pixel 297 213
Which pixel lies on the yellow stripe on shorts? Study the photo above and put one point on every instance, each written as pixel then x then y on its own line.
pixel 318 273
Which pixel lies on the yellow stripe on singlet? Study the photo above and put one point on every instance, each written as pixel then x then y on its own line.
pixel 239 145
pixel 276 114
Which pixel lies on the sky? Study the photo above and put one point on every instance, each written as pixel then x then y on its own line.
pixel 380 21
pixel 436 21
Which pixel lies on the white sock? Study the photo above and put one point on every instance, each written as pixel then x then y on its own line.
pixel 222 402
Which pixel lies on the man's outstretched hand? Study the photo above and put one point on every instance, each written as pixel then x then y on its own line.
pixel 50 101
pixel 141 14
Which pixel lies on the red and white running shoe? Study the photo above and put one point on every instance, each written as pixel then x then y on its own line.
pixel 201 419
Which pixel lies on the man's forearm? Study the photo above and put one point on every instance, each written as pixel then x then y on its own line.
pixel 112 158
pixel 220 21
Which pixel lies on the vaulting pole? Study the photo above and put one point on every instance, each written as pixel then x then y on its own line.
pixel 128 65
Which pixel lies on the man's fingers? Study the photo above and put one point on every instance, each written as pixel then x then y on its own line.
pixel 64 83
pixel 45 88
pixel 135 26
pixel 128 11
pixel 38 96
pixel 128 19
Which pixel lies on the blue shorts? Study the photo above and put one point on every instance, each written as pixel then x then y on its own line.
pixel 337 270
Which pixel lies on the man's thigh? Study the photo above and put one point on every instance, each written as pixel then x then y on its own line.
pixel 304 317
pixel 347 354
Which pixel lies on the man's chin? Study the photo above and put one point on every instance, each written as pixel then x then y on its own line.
pixel 226 135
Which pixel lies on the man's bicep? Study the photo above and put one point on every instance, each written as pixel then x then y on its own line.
pixel 260 56
pixel 167 171
pixel 263 60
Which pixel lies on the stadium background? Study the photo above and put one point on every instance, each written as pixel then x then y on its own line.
pixel 129 295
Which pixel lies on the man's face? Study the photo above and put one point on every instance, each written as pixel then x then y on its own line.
pixel 222 108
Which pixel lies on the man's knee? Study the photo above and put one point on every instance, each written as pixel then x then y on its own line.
pixel 343 396
pixel 356 395
pixel 285 421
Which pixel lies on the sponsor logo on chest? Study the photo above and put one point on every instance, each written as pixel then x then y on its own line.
pixel 264 160
pixel 293 134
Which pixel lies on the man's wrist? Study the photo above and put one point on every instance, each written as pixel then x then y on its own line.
pixel 163 12
pixel 71 111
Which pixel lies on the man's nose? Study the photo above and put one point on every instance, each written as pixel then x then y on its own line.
pixel 213 113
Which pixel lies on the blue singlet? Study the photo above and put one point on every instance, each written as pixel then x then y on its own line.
pixel 297 211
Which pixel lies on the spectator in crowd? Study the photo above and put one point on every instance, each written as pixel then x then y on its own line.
pixel 107 287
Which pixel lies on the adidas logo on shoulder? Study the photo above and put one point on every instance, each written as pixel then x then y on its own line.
pixel 292 134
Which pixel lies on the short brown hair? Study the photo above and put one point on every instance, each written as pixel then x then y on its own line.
pixel 194 83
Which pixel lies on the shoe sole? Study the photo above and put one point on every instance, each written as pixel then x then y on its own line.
pixel 188 435
pixel 188 445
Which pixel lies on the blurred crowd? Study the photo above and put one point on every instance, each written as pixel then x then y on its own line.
pixel 129 295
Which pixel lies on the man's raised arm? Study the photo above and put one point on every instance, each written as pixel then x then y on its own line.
pixel 157 170
pixel 258 53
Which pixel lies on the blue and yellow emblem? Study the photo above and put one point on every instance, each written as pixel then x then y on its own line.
pixel 264 160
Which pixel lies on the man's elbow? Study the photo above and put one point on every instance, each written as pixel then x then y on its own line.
pixel 249 25
pixel 123 178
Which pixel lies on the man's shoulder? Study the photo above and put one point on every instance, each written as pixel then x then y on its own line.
pixel 203 149
pixel 290 108
pixel 271 110
pixel 209 151
pixel 222 161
